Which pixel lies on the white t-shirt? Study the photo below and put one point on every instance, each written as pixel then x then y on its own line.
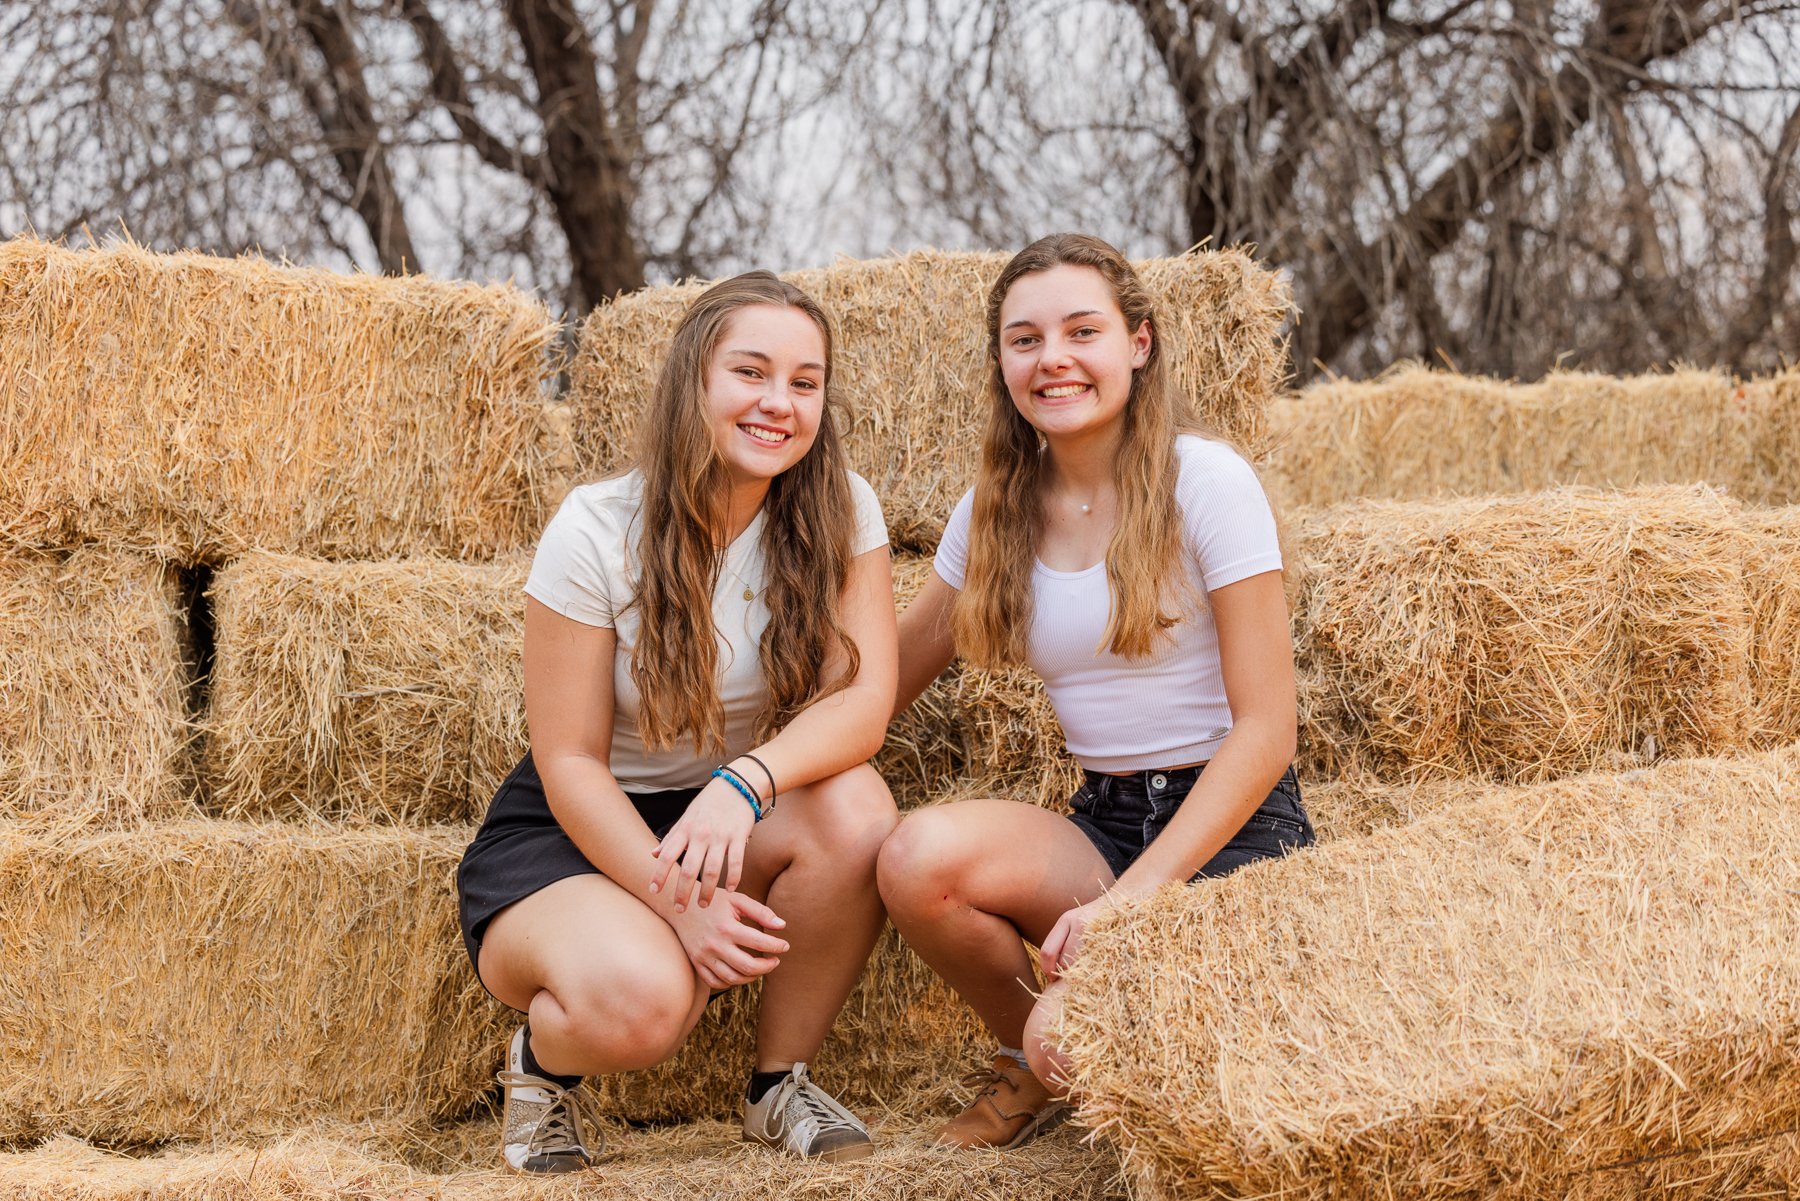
pixel 584 570
pixel 1119 714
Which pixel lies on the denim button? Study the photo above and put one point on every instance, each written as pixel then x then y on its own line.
pixel 1159 781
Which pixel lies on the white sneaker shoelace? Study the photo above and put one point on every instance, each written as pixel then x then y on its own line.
pixel 564 1128
pixel 809 1112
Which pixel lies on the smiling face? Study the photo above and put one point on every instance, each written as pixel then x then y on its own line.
pixel 1066 353
pixel 765 390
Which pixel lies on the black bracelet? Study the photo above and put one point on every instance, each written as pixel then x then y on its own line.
pixel 766 772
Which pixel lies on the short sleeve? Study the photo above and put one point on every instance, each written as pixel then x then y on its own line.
pixel 579 567
pixel 871 526
pixel 1229 524
pixel 952 559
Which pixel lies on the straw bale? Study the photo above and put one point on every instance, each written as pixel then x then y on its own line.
pixel 1772 576
pixel 912 364
pixel 289 973
pixel 704 1161
pixel 196 977
pixel 1521 638
pixel 384 691
pixel 1416 433
pixel 200 407
pixel 1573 989
pixel 93 678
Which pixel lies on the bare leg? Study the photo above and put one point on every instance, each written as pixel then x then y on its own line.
pixel 1048 1063
pixel 813 862
pixel 605 980
pixel 963 882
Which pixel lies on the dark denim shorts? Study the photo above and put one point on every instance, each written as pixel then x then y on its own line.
pixel 1121 815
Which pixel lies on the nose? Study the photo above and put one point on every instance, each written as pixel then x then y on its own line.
pixel 1055 354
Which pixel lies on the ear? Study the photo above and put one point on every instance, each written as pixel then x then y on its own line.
pixel 1140 345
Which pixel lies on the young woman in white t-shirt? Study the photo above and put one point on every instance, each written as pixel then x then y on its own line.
pixel 1134 564
pixel 709 662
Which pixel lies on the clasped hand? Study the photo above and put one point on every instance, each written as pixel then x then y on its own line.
pixel 1064 940
pixel 707 846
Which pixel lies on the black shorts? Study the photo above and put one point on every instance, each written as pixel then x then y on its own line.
pixel 1121 815
pixel 520 849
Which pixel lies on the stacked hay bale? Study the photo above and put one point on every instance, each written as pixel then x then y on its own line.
pixel 161 416
pixel 1586 988
pixel 199 407
pixel 1416 433
pixel 1522 638
pixel 193 979
pixel 386 692
pixel 94 651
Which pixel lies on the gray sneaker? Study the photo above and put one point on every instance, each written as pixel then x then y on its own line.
pixel 800 1117
pixel 545 1129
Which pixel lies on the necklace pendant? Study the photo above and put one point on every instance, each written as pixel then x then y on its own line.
pixel 749 595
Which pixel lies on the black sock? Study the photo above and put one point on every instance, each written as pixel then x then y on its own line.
pixel 533 1068
pixel 761 1083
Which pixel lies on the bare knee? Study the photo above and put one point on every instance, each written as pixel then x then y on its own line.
pixel 850 815
pixel 918 870
pixel 635 1018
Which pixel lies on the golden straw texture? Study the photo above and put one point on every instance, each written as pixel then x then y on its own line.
pixel 199 407
pixel 93 678
pixel 1522 637
pixel 1512 999
pixel 194 978
pixel 912 364
pixel 1416 433
pixel 384 691
pixel 1773 578
pixel 703 1161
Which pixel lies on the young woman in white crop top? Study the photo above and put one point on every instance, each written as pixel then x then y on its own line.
pixel 1134 564
pixel 709 662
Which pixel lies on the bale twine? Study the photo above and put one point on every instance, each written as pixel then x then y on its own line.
pixel 93 678
pixel 186 979
pixel 1416 433
pixel 1575 989
pixel 1521 638
pixel 911 350
pixel 383 692
pixel 200 407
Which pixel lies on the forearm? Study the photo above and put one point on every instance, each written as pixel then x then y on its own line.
pixel 604 825
pixel 1241 774
pixel 926 644
pixel 829 736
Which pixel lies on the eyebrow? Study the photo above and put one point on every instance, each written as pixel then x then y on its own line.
pixel 1068 317
pixel 757 354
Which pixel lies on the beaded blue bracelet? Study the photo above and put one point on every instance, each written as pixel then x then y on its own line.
pixel 731 778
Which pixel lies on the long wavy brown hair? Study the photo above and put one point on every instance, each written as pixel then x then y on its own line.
pixel 1150 591
pixel 807 519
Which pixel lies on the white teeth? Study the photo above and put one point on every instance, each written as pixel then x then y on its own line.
pixel 1062 390
pixel 775 437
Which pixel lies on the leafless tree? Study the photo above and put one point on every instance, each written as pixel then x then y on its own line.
pixel 1504 183
pixel 573 144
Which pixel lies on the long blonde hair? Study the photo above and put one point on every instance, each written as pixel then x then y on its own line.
pixel 807 518
pixel 1150 590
